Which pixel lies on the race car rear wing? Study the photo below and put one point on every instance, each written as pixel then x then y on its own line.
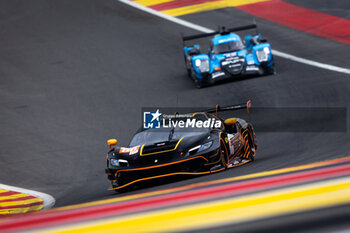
pixel 222 31
pixel 218 108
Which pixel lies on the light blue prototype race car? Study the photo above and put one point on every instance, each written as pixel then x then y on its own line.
pixel 228 57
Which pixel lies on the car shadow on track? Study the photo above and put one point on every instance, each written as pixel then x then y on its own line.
pixel 231 80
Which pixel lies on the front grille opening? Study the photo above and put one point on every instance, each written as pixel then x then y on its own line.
pixel 233 65
pixel 158 147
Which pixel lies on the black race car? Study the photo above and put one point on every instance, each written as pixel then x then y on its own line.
pixel 192 150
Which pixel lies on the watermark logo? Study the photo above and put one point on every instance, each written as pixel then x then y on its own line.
pixel 151 120
pixel 190 122
pixel 158 120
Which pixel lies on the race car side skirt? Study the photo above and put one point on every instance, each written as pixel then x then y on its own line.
pixel 161 176
pixel 114 175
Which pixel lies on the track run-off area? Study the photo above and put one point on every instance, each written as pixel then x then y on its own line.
pixel 14 200
pixel 73 74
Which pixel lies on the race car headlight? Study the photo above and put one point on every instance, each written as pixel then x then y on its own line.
pixel 263 54
pixel 205 146
pixel 200 148
pixel 114 162
pixel 266 50
pixel 202 65
pixel 119 162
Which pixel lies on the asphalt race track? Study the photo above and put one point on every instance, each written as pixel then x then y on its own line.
pixel 76 73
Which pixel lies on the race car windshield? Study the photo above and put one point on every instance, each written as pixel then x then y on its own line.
pixel 155 136
pixel 227 47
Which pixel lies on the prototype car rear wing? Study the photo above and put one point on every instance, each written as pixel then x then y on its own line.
pixel 218 108
pixel 222 31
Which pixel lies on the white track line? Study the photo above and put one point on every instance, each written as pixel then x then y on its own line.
pixel 48 200
pixel 310 62
pixel 208 30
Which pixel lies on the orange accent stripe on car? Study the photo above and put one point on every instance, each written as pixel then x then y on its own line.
pixel 156 166
pixel 165 175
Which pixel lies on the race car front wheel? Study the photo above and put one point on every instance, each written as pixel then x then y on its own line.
pixel 197 83
pixel 224 156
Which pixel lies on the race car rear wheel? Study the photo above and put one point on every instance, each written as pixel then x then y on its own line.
pixel 188 67
pixel 251 147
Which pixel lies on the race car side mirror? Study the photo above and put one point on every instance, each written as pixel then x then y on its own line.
pixel 249 105
pixel 230 121
pixel 112 142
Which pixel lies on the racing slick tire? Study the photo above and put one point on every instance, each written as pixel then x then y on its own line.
pixel 224 156
pixel 198 84
pixel 188 69
pixel 270 70
pixel 251 147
